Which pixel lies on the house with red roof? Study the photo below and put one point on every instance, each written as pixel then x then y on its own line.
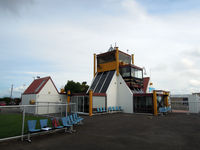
pixel 42 91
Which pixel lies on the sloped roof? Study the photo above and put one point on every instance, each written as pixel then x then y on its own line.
pixel 36 86
pixel 145 83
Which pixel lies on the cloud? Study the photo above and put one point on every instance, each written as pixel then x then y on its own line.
pixel 13 6
pixel 195 83
pixel 34 74
pixel 20 89
pixel 195 53
pixel 61 43
pixel 187 62
pixel 134 9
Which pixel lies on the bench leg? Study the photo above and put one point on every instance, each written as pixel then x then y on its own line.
pixel 29 137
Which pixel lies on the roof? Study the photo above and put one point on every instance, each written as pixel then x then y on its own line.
pixel 145 83
pixel 113 51
pixel 36 86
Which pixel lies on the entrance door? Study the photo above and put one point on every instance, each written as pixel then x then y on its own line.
pixel 82 103
pixel 143 104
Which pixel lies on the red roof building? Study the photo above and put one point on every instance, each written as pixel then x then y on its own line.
pixel 36 86
pixel 42 91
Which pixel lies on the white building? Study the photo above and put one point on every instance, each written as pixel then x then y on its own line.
pixel 43 91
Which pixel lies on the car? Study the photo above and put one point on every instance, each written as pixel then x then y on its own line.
pixel 2 104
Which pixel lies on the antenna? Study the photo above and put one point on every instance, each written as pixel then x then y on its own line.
pixel 115 44
pixel 111 48
pixel 150 73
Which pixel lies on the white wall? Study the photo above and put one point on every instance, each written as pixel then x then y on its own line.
pixel 194 103
pixel 119 94
pixel 26 101
pixel 112 92
pixel 98 101
pixel 27 97
pixel 124 95
pixel 63 98
pixel 48 93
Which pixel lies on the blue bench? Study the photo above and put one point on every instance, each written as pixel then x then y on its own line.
pixel 164 109
pixel 32 128
pixel 65 124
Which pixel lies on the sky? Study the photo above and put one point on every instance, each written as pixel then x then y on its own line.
pixel 58 38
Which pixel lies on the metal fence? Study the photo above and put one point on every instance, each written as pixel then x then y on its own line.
pixel 185 106
pixel 13 119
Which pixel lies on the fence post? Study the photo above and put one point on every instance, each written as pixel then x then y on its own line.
pixel 61 109
pixel 23 120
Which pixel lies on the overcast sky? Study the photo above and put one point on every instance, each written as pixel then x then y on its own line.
pixel 57 38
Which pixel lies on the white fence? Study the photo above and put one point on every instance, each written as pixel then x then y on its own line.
pixel 13 119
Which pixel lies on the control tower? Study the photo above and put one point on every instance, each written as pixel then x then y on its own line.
pixel 122 83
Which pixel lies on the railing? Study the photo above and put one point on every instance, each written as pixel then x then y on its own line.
pixel 13 119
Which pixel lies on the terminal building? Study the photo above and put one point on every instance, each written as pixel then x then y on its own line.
pixel 119 82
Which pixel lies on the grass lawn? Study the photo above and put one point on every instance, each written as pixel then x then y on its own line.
pixel 11 124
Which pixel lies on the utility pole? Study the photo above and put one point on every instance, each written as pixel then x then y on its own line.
pixel 11 91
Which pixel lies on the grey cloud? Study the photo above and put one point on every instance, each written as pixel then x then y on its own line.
pixel 160 67
pixel 195 52
pixel 13 6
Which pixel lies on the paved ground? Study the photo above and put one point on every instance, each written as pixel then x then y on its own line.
pixel 121 131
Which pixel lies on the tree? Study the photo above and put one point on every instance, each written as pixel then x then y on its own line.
pixel 7 100
pixel 76 87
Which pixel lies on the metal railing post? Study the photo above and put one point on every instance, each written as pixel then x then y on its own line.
pixel 48 107
pixel 23 120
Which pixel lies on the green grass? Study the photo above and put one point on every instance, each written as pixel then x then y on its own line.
pixel 11 124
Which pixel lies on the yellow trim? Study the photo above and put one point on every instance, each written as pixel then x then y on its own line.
pixel 106 66
pixel 117 60
pixel 132 59
pixel 90 103
pixel 166 94
pixel 62 90
pixel 32 102
pixel 94 64
pixel 155 103
pixel 68 100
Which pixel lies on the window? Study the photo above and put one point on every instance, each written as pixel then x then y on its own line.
pixel 124 58
pixel 125 72
pixel 106 58
pixel 136 73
